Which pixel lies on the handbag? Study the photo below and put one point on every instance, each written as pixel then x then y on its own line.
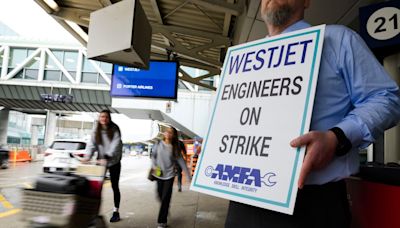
pixel 154 173
pixel 150 175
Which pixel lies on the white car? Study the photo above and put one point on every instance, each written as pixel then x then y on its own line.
pixel 64 155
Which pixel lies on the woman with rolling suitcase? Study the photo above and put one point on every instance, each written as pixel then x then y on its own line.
pixel 106 140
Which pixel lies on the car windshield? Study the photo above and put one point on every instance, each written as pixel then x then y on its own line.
pixel 62 145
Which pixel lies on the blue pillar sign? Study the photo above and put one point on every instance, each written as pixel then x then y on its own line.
pixel 264 101
pixel 380 25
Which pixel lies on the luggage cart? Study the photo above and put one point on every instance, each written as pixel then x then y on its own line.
pixel 44 209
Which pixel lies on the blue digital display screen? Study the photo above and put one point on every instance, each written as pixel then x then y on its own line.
pixel 159 81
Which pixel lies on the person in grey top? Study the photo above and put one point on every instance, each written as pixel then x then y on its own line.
pixel 106 140
pixel 165 156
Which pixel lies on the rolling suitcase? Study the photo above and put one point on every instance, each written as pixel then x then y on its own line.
pixel 66 184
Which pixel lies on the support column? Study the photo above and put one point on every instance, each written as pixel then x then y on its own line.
pixel 34 135
pixel 51 127
pixel 392 136
pixel 4 114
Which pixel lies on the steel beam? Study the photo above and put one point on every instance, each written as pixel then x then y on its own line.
pixel 220 6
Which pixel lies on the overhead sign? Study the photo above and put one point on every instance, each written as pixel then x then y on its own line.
pixel 160 81
pixel 48 98
pixel 380 24
pixel 264 101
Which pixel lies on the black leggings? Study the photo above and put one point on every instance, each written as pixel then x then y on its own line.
pixel 164 190
pixel 115 172
pixel 179 174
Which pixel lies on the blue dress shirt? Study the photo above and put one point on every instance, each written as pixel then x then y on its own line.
pixel 353 93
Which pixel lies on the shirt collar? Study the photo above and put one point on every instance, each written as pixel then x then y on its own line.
pixel 297 26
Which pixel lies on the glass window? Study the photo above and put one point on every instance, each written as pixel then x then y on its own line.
pixel 62 145
pixel 207 82
pixel 59 55
pixel 106 67
pixel 89 77
pixel 33 64
pixel 101 80
pixel 65 79
pixel 181 85
pixel 31 74
pixel 88 67
pixel 17 55
pixel 70 60
pixel 26 141
pixel 13 140
pixel 194 72
pixel 52 75
pixel 20 74
pixel 50 64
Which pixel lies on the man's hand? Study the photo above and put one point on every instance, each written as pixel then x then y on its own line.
pixel 320 151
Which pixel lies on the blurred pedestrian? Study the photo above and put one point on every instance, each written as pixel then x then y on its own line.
pixel 106 140
pixel 165 156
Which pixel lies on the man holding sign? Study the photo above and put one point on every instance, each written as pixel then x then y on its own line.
pixel 355 102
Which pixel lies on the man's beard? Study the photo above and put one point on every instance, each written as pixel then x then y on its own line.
pixel 278 17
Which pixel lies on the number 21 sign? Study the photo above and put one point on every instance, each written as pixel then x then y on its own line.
pixel 380 24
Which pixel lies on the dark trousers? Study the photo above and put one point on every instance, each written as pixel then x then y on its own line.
pixel 316 206
pixel 164 190
pixel 179 174
pixel 115 172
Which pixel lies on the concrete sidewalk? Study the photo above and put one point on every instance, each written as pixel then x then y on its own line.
pixel 139 205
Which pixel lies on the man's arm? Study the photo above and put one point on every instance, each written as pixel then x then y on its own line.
pixel 375 97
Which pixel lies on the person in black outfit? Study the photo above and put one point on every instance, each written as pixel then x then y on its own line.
pixel 165 156
pixel 178 168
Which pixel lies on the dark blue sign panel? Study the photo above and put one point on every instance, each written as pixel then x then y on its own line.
pixel 159 81
pixel 380 24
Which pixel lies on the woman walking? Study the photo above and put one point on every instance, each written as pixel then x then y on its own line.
pixel 106 140
pixel 166 155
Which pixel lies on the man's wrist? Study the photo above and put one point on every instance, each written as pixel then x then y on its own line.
pixel 344 145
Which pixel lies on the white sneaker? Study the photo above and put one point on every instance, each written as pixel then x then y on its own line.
pixel 162 225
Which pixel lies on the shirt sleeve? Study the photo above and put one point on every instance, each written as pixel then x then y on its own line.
pixel 374 95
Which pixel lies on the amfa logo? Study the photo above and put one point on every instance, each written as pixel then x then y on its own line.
pixel 241 175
